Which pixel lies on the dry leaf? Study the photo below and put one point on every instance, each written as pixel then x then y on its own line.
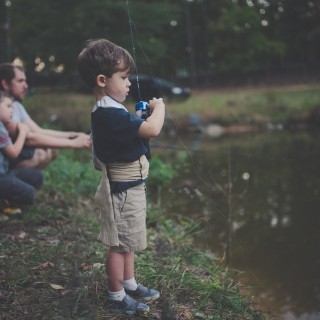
pixel 98 265
pixel 47 264
pixel 56 286
pixel 44 265
pixel 22 235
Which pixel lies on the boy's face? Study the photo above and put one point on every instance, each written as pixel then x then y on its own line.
pixel 117 87
pixel 6 110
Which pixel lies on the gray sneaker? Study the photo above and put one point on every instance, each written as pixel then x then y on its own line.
pixel 127 306
pixel 143 293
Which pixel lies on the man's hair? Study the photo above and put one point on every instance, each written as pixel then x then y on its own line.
pixel 7 72
pixel 101 56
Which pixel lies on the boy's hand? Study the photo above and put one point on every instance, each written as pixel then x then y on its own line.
pixel 152 126
pixel 155 103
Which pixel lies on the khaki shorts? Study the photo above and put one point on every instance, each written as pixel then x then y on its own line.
pixel 130 208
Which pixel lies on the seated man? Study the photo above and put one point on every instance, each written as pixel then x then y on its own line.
pixel 40 144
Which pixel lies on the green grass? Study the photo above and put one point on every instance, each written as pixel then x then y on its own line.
pixel 245 105
pixel 52 266
pixel 253 106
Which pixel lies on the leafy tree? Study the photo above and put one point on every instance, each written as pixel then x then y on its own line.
pixel 296 24
pixel 245 48
pixel 59 28
pixel 200 39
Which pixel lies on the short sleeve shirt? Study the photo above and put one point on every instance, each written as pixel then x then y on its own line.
pixel 19 112
pixel 4 142
pixel 114 132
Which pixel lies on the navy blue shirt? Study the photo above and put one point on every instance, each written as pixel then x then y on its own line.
pixel 114 132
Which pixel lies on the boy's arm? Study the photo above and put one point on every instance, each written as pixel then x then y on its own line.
pixel 153 124
pixel 37 139
pixel 13 150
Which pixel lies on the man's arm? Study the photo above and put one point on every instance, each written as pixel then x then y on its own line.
pixel 34 127
pixel 38 139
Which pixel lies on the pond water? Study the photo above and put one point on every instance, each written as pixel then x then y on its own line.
pixel 267 186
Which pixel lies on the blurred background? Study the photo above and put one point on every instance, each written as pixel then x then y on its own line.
pixel 195 43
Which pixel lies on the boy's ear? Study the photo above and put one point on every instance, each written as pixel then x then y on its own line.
pixel 101 80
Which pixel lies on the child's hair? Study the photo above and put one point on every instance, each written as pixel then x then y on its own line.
pixel 4 94
pixel 101 56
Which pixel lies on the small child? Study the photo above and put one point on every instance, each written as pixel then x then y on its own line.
pixel 119 142
pixel 17 187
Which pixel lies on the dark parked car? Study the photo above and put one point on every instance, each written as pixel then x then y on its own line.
pixel 155 87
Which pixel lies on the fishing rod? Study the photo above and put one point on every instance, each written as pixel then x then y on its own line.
pixel 141 107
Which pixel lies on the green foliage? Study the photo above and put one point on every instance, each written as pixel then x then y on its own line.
pixel 65 26
pixel 170 37
pixel 246 47
pixel 70 176
pixel 161 173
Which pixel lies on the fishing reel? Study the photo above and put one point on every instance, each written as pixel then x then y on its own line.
pixel 142 110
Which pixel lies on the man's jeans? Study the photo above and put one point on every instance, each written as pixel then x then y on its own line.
pixel 19 186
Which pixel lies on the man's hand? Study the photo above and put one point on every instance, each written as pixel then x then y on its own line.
pixel 82 141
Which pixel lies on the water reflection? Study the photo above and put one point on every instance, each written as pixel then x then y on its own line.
pixel 275 207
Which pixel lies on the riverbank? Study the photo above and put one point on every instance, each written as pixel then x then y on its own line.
pixel 244 109
pixel 52 266
pixel 215 111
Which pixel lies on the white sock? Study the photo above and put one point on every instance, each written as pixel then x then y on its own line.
pixel 118 296
pixel 130 284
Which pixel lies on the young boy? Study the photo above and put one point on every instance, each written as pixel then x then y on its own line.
pixel 17 187
pixel 119 144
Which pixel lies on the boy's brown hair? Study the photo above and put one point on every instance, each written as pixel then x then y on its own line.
pixel 101 56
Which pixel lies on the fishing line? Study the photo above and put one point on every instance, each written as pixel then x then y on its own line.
pixel 132 26
pixel 133 47
pixel 207 183
pixel 185 148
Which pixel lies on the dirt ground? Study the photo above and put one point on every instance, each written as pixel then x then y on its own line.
pixel 48 271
